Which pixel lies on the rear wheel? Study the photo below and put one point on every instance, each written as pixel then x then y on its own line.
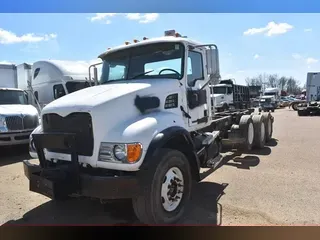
pixel 294 106
pixel 167 189
pixel 268 123
pixel 259 131
pixel 247 132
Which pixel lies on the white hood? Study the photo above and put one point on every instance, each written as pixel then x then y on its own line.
pixel 16 109
pixel 93 97
pixel 112 107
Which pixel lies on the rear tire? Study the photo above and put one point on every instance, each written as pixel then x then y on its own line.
pixel 269 125
pixel 294 106
pixel 247 132
pixel 259 131
pixel 153 205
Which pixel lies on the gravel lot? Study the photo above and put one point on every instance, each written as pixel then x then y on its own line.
pixel 277 185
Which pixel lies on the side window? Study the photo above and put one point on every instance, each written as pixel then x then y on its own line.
pixel 195 68
pixel 116 72
pixel 36 72
pixel 229 90
pixel 58 91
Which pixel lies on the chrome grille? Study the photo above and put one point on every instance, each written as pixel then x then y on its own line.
pixel 14 123
pixel 17 123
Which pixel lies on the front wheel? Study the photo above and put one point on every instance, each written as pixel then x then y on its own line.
pixel 167 189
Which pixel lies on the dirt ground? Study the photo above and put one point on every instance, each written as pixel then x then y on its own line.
pixel 276 185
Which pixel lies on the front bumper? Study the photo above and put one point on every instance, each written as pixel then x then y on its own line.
pixel 14 138
pixel 57 187
pixel 60 181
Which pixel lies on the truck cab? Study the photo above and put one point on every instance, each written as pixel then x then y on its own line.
pixel 274 93
pixel 53 79
pixel 228 95
pixel 142 132
pixel 17 118
pixel 222 96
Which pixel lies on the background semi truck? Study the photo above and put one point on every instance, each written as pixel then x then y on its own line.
pixel 52 79
pixel 17 117
pixel 143 132
pixel 274 93
pixel 312 104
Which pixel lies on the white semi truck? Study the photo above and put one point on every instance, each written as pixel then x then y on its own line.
pixel 274 93
pixel 143 132
pixel 52 79
pixel 17 117
pixel 312 104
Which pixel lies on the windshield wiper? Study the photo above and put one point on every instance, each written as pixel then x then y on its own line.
pixel 142 74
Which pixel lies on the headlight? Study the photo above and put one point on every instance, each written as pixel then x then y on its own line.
pixel 120 153
pixel 3 124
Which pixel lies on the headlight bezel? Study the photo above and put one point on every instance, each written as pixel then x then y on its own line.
pixel 132 151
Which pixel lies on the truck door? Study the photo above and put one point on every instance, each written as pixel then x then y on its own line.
pixel 197 99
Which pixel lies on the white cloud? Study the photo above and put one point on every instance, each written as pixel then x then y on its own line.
pixel 296 56
pixel 308 30
pixel 7 37
pixel 103 17
pixel 256 56
pixel 272 28
pixel 143 18
pixel 311 60
pixel 6 62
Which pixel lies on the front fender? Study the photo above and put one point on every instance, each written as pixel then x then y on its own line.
pixel 141 129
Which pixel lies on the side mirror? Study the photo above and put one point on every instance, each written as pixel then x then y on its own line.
pixel 212 57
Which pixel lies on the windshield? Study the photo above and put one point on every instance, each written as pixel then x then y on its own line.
pixel 159 60
pixel 270 94
pixel 12 97
pixel 73 86
pixel 219 90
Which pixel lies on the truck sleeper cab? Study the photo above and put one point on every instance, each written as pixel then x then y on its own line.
pixel 143 133
pixel 52 79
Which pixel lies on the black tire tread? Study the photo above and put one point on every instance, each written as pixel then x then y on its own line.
pixel 243 126
pixel 257 121
pixel 143 205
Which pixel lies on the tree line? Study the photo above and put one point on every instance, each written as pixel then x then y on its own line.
pixel 288 84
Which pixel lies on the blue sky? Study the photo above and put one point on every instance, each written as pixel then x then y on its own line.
pixel 249 44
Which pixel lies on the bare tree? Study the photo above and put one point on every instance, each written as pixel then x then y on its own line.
pixel 282 83
pixel 288 84
pixel 272 80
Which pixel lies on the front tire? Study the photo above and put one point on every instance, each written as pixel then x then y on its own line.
pixel 167 189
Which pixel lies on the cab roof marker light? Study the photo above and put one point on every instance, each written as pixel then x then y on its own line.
pixel 126 43
pixel 145 38
pixel 135 41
